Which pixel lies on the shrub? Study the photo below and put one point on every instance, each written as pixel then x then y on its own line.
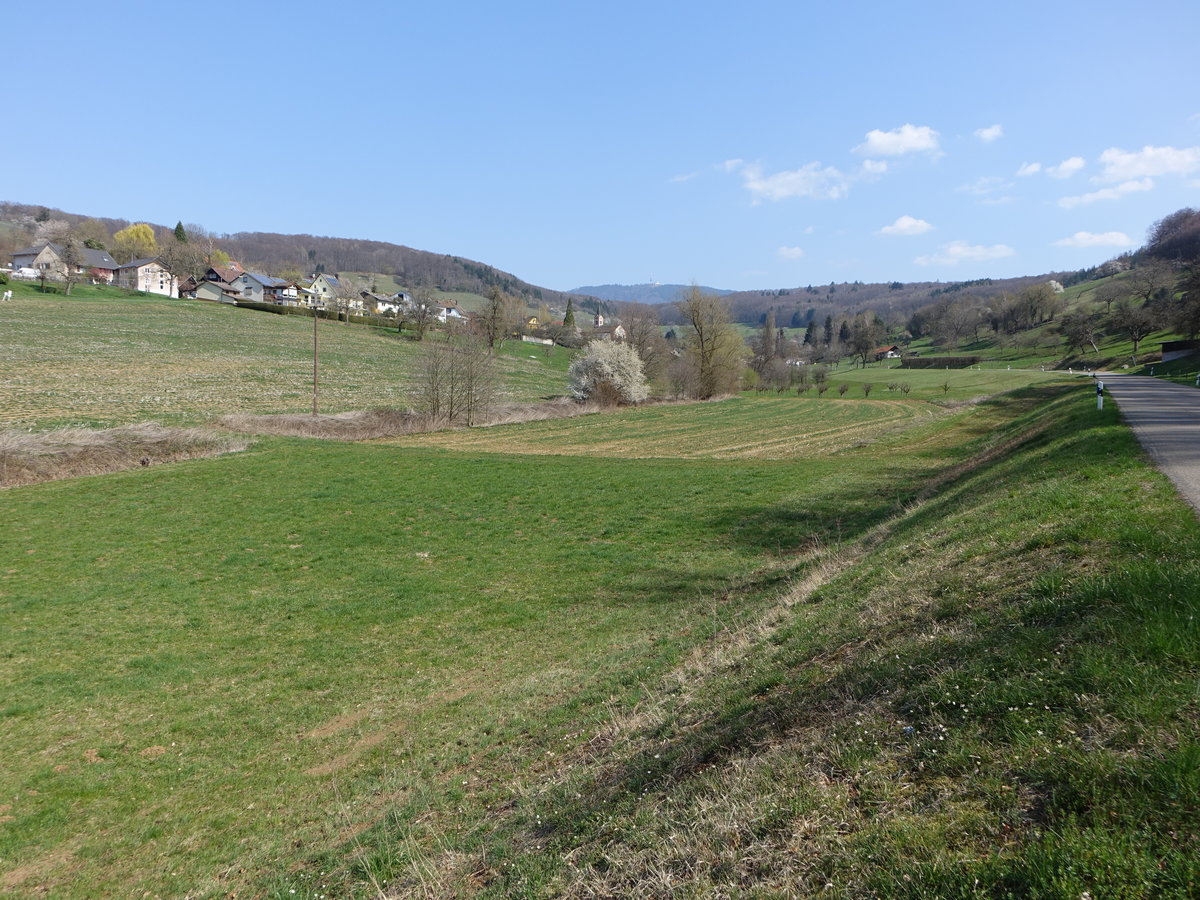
pixel 608 372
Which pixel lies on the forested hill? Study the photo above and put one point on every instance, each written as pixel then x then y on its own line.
pixel 276 254
pixel 892 301
pixel 642 293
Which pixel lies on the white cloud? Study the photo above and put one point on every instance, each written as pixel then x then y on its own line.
pixel 1090 239
pixel 1112 193
pixel 960 251
pixel 906 225
pixel 989 134
pixel 874 166
pixel 812 180
pixel 898 141
pixel 1028 169
pixel 1066 168
pixel 732 165
pixel 1149 162
pixel 791 252
pixel 679 179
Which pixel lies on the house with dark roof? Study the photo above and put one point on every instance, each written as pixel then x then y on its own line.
pixel 212 290
pixel 324 289
pixel 224 274
pixel 47 257
pixel 148 275
pixel 262 288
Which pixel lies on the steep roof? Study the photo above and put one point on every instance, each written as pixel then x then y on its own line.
pixel 92 259
pixel 138 263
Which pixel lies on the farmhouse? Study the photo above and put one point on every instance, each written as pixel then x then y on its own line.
pixel 48 258
pixel 892 352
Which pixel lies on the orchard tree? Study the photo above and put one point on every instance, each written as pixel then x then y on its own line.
pixel 609 372
pixel 1135 322
pixel 1080 330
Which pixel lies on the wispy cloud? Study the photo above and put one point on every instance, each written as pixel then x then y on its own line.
pixel 791 252
pixel 813 181
pixel 680 179
pixel 1028 169
pixel 953 253
pixel 906 225
pixel 1111 193
pixel 1091 239
pixel 1066 168
pixel 989 134
pixel 899 141
pixel 1149 162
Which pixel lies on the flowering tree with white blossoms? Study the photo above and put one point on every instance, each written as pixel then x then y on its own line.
pixel 609 372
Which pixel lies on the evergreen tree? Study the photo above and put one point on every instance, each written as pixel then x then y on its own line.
pixel 829 329
pixel 569 317
pixel 180 234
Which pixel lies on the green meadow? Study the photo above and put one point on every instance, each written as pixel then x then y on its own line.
pixel 104 357
pixel 942 643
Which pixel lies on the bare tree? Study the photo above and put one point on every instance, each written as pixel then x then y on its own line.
pixel 182 258
pixel 71 256
pixel 1079 330
pixel 421 313
pixel 714 346
pixel 644 333
pixel 496 320
pixel 1149 280
pixel 1135 322
pixel 457 382
pixel 345 293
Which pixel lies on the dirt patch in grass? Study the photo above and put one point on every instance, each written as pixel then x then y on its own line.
pixel 32 457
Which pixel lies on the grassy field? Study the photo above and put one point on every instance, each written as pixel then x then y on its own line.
pixel 912 645
pixel 103 357
pixel 526 662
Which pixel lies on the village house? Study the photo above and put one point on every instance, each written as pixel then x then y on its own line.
pixel 892 352
pixel 212 290
pixel 608 333
pixel 324 289
pixel 47 258
pixel 149 276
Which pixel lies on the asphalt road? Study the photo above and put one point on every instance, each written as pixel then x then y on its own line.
pixel 1166 419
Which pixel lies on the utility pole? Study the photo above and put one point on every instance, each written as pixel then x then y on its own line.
pixel 314 312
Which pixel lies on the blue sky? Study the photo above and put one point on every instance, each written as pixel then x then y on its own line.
pixel 757 145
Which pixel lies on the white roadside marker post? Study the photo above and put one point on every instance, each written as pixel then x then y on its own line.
pixel 1099 395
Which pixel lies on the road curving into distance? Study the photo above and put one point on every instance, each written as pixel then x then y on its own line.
pixel 1166 419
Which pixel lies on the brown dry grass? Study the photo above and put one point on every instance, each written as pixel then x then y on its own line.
pixel 366 425
pixel 32 457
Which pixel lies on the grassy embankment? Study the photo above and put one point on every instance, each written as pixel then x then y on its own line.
pixel 877 645
pixel 105 357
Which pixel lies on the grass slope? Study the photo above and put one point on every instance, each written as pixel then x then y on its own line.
pixel 104 357
pixel 962 649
